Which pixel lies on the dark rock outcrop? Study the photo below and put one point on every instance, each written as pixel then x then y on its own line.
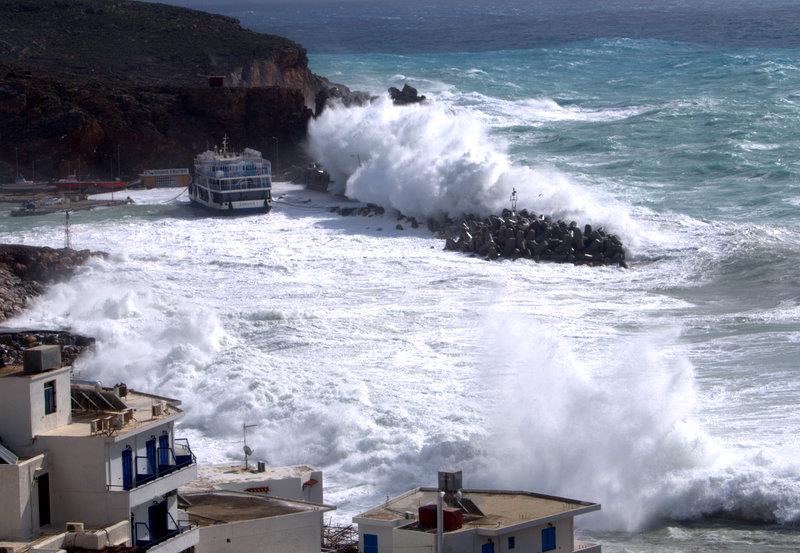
pixel 515 235
pixel 25 271
pixel 13 342
pixel 81 78
pixel 408 95
pixel 149 44
pixel 59 120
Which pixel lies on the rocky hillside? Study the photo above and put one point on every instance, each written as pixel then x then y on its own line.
pixel 78 78
pixel 58 121
pixel 144 43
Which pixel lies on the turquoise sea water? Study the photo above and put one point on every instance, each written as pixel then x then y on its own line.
pixel 679 120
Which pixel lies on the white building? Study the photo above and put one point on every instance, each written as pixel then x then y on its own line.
pixel 92 467
pixel 77 452
pixel 260 508
pixel 473 521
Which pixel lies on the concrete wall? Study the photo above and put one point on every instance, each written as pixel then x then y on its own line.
pixel 287 488
pixel 411 541
pixel 22 407
pixel 528 540
pixel 384 533
pixel 19 509
pixel 293 533
pixel 78 481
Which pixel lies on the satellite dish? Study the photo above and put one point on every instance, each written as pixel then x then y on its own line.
pixel 247 450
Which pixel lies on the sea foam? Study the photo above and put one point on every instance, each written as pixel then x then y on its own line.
pixel 435 160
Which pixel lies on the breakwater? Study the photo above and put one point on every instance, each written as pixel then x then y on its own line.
pixel 541 238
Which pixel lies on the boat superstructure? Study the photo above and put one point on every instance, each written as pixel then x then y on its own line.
pixel 232 182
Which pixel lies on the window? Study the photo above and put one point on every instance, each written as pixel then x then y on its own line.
pixel 50 397
pixel 511 543
pixel 370 543
pixel 548 539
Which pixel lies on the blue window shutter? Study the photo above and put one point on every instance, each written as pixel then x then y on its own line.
pixel 548 539
pixel 487 548
pixel 127 469
pixel 370 543
pixel 163 450
pixel 150 446
pixel 49 398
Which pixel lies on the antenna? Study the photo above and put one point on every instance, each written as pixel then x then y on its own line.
pixel 247 451
pixel 225 145
pixel 514 200
pixel 67 238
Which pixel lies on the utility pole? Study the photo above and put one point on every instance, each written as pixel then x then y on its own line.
pixel 67 237
pixel 16 155
pixel 247 451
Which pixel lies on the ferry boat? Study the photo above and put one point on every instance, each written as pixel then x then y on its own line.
pixel 227 181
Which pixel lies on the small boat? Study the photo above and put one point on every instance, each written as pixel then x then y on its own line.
pixel 74 184
pixel 230 182
pixel 21 185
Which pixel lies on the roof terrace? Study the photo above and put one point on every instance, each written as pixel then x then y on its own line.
pixel 220 507
pixel 501 509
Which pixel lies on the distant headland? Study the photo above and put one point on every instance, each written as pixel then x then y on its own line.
pixel 116 86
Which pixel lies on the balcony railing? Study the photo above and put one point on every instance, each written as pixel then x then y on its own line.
pixel 144 538
pixel 167 460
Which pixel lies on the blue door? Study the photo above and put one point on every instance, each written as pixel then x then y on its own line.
pixel 127 469
pixel 548 539
pixel 151 456
pixel 487 548
pixel 163 452
pixel 157 521
pixel 370 543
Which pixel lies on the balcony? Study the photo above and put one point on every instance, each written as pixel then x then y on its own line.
pixel 164 469
pixel 586 547
pixel 175 537
pixel 164 461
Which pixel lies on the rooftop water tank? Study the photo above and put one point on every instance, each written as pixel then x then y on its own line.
pixel 41 358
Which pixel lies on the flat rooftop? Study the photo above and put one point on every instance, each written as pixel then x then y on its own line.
pixel 500 508
pixel 18 370
pixel 141 403
pixel 213 477
pixel 220 507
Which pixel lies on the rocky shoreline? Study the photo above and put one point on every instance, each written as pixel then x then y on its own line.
pixel 25 271
pixel 14 341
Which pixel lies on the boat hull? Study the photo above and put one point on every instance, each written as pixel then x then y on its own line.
pixel 236 210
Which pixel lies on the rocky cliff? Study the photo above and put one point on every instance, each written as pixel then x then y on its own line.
pixel 80 78
pixel 60 120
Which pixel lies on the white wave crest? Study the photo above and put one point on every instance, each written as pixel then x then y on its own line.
pixel 431 160
pixel 625 435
